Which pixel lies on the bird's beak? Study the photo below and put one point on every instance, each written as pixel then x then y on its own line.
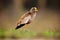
pixel 36 9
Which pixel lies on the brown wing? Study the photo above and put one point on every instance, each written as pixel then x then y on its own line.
pixel 23 16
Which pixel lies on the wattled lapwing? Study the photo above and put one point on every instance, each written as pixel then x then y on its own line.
pixel 27 17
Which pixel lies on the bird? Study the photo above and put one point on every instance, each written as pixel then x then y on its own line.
pixel 27 17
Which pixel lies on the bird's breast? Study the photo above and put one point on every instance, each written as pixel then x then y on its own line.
pixel 33 16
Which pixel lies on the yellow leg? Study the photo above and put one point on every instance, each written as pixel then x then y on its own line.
pixel 26 26
pixel 22 28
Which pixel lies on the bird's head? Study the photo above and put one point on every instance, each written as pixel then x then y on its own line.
pixel 33 10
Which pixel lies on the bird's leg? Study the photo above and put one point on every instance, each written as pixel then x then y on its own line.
pixel 27 24
pixel 21 28
pixel 27 27
pixel 24 27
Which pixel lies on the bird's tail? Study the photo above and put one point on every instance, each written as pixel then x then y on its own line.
pixel 19 26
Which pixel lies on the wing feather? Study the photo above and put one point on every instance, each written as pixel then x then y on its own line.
pixel 25 18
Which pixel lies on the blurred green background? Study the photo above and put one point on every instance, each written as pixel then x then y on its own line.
pixel 45 25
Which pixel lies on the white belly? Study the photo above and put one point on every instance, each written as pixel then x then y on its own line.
pixel 33 17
